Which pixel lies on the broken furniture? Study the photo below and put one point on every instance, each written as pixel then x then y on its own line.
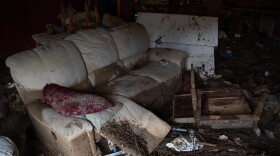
pixel 72 21
pixel 116 63
pixel 195 35
pixel 216 107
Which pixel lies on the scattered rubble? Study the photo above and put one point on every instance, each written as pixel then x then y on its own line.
pixel 185 144
pixel 122 135
pixel 254 67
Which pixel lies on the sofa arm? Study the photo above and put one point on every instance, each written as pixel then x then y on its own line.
pixel 63 135
pixel 175 56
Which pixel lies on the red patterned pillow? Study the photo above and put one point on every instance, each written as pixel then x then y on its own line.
pixel 70 102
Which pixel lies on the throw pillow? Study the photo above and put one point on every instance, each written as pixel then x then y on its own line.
pixel 69 102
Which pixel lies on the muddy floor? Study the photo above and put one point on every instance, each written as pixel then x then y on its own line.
pixel 253 65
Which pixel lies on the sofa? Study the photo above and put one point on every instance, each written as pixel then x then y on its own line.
pixel 116 63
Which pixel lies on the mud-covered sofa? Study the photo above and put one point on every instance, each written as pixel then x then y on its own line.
pixel 116 63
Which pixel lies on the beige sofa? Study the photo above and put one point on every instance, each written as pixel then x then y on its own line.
pixel 116 63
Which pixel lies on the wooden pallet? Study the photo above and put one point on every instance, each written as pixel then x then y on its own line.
pixel 217 108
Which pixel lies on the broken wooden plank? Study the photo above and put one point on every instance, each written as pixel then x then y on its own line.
pixel 227 124
pixel 184 120
pixel 259 108
pixel 192 79
pixel 230 117
pixel 182 106
pixel 224 98
pixel 194 99
pixel 181 95
pixel 198 111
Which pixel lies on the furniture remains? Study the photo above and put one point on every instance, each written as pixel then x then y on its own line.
pixel 216 107
pixel 117 63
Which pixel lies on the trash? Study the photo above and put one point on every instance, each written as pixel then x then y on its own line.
pixel 222 35
pixel 8 147
pixel 223 137
pixel 111 21
pixel 227 53
pixel 258 44
pixel 158 41
pixel 50 29
pixel 120 153
pixel 202 73
pixel 217 76
pixel 11 85
pixel 231 150
pixel 123 136
pixel 180 129
pixel 163 62
pixel 257 131
pixel 111 145
pixel 269 134
pixel 237 35
pixel 261 90
pixel 237 141
pixel 266 73
pixel 228 83
pixel 185 144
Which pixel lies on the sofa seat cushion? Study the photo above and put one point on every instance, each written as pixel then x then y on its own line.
pixel 168 75
pixel 142 90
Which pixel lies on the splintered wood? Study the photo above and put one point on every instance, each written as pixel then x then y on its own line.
pixel 216 107
pixel 121 134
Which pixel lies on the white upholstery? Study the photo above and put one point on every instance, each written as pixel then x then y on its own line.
pixel 58 62
pixel 172 55
pixel 96 46
pixel 168 76
pixel 130 39
pixel 142 90
pixel 63 135
pixel 99 119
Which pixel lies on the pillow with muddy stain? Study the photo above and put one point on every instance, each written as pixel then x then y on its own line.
pixel 69 102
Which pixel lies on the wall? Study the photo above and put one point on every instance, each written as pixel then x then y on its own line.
pixel 22 18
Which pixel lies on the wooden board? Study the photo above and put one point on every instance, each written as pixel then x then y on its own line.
pixel 217 108
pixel 227 106
pixel 183 109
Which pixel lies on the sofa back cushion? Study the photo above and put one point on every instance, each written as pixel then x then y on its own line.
pixel 130 39
pixel 132 42
pixel 135 61
pixel 98 50
pixel 58 62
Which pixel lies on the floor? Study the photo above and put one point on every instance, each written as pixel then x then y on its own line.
pixel 254 65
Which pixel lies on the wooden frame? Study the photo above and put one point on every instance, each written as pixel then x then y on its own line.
pixel 233 110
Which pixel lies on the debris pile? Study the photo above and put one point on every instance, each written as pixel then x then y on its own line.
pixel 121 134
